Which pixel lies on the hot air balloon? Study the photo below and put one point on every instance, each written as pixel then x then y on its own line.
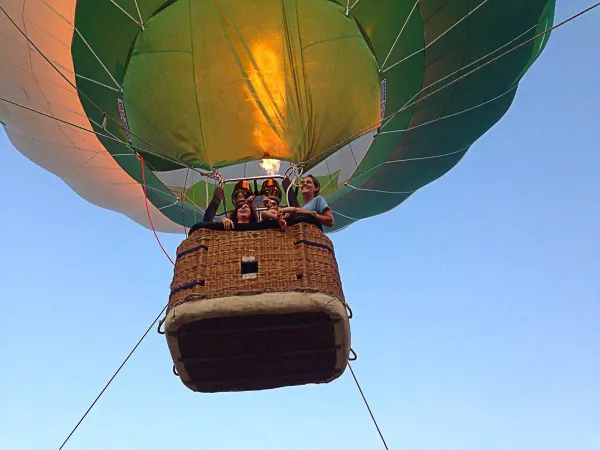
pixel 375 98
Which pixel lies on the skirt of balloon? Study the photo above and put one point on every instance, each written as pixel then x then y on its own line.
pixel 257 308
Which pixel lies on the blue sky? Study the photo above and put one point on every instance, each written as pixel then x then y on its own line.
pixel 477 303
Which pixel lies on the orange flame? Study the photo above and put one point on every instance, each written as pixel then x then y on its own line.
pixel 267 79
pixel 271 166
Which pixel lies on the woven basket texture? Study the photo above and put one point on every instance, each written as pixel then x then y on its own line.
pixel 215 264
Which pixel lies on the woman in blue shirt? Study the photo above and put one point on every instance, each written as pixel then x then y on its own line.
pixel 314 204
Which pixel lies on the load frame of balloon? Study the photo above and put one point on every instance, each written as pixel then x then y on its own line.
pixel 294 173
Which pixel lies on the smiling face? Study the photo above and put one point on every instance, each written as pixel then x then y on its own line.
pixel 309 188
pixel 244 213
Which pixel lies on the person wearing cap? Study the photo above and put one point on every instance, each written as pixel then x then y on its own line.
pixel 270 189
pixel 242 192
pixel 271 193
pixel 244 210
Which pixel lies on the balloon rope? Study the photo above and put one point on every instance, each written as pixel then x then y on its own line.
pixel 368 407
pixel 162 154
pixel 146 332
pixel 409 105
pixel 148 208
pixel 113 377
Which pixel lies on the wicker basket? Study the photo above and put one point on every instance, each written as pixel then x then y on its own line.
pixel 257 309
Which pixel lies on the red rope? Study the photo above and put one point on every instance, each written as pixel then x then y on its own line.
pixel 148 208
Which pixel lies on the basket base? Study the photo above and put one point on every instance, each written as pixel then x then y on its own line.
pixel 257 342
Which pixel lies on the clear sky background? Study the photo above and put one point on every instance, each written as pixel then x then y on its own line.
pixel 476 302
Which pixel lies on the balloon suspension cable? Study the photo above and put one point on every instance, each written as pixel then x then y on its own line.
pixel 296 170
pixel 377 125
pixel 148 207
pixel 97 133
pixel 161 153
pixel 216 175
